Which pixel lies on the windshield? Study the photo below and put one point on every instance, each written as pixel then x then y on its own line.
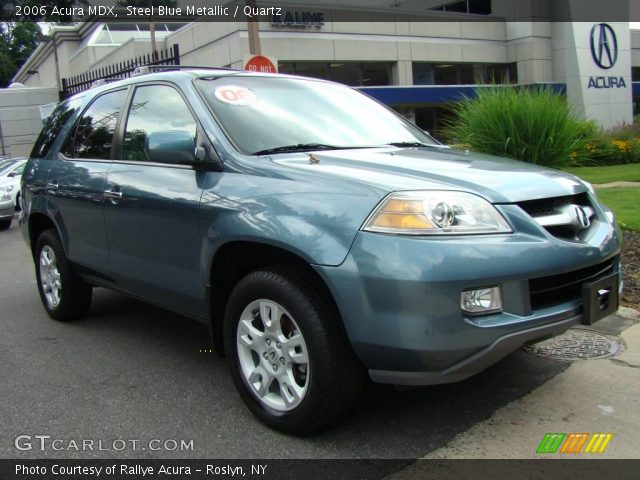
pixel 263 113
pixel 6 165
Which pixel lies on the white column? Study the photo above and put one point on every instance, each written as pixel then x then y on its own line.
pixel 594 60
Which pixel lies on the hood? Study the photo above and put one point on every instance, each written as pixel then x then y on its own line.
pixel 499 180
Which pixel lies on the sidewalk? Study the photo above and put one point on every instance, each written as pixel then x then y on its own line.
pixel 599 186
pixel 591 396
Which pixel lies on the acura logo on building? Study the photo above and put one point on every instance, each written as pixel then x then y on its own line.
pixel 604 45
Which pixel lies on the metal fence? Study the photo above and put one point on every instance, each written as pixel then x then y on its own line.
pixel 118 71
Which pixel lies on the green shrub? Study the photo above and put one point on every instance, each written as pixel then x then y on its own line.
pixel 534 125
pixel 616 147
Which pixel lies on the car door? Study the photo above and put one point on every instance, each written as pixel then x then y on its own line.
pixel 151 213
pixel 75 183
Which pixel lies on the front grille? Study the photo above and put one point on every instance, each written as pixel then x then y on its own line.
pixel 545 206
pixel 565 287
pixel 546 209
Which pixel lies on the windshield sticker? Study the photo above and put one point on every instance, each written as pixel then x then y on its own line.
pixel 235 95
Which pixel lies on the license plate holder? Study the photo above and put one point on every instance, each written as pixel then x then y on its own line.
pixel 600 298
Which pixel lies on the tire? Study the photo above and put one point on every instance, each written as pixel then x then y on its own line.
pixel 302 397
pixel 5 223
pixel 72 297
pixel 18 207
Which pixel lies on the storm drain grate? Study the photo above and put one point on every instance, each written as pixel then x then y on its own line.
pixel 577 344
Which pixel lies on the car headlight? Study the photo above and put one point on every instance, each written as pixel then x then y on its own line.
pixel 436 212
pixel 5 193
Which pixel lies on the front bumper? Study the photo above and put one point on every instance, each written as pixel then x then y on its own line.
pixel 7 210
pixel 399 297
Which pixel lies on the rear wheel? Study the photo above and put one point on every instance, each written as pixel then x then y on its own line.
pixel 289 357
pixel 64 294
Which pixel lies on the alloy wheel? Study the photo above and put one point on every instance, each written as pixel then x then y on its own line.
pixel 273 355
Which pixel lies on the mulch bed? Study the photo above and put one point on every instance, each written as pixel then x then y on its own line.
pixel 631 270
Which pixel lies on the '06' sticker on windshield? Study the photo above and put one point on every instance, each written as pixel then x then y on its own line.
pixel 235 95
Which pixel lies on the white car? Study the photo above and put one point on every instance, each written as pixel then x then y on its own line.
pixel 10 176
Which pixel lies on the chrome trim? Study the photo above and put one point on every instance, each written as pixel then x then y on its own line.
pixel 564 218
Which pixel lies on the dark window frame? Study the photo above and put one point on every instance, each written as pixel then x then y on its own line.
pixel 327 70
pixel 509 68
pixel 201 135
pixel 41 143
pixel 72 133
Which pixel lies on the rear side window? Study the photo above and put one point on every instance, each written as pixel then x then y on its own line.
pixel 155 108
pixel 93 136
pixel 52 127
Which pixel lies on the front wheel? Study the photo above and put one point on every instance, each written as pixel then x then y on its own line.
pixel 5 223
pixel 64 294
pixel 289 357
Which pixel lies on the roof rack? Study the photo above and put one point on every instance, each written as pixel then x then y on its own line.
pixel 103 81
pixel 146 69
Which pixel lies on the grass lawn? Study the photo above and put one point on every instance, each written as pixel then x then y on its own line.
pixel 614 173
pixel 625 202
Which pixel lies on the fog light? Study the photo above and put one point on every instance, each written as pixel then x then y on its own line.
pixel 481 300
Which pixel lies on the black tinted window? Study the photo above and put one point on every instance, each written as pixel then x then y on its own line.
pixel 52 127
pixel 155 108
pixel 93 136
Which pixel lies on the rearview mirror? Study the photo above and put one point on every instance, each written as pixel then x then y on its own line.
pixel 175 146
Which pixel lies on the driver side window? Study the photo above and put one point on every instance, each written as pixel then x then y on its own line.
pixel 155 108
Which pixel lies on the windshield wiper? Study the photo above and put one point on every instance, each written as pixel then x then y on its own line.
pixel 300 147
pixel 409 144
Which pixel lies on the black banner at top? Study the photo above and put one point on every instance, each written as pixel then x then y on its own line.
pixel 316 13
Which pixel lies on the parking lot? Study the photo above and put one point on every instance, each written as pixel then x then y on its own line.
pixel 133 371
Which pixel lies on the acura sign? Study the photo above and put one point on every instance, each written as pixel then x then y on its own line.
pixel 604 52
pixel 604 45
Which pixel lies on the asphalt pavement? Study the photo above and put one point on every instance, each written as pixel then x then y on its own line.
pixel 133 371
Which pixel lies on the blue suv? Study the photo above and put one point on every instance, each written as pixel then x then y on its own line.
pixel 322 237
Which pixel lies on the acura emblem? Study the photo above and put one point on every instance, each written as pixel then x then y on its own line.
pixel 581 216
pixel 604 45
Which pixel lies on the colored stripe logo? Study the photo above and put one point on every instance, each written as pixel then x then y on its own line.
pixel 574 443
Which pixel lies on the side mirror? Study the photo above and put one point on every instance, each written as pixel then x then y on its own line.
pixel 13 174
pixel 175 146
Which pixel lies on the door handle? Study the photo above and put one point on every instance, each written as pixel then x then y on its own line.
pixel 114 194
pixel 52 186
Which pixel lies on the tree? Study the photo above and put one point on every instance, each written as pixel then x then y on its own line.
pixel 7 69
pixel 17 43
pixel 23 40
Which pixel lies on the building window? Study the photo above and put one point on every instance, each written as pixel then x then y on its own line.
pixel 349 73
pixel 464 73
pixel 315 70
pixel 118 33
pixel 433 120
pixel 477 7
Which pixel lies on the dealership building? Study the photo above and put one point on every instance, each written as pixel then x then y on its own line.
pixel 416 56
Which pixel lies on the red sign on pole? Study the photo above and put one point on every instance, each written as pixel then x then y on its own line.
pixel 260 64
